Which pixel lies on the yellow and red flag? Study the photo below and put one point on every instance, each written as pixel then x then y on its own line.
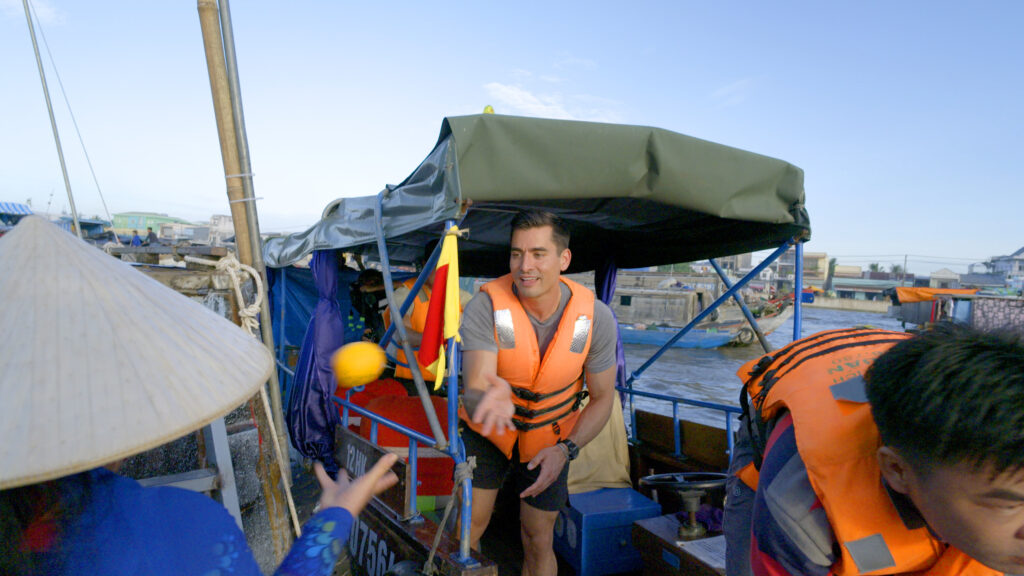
pixel 445 310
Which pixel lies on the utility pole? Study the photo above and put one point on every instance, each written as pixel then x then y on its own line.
pixel 904 276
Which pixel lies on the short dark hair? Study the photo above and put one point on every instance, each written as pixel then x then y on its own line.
pixel 370 277
pixel 952 394
pixel 528 219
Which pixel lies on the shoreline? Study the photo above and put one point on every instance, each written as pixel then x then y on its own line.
pixel 873 306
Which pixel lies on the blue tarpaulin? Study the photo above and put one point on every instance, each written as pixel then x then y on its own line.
pixel 15 208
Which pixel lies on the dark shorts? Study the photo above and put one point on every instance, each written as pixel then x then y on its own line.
pixel 492 468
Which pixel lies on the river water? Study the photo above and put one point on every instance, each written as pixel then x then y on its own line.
pixel 710 375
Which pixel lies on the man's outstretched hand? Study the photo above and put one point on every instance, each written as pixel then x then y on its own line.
pixel 353 495
pixel 495 408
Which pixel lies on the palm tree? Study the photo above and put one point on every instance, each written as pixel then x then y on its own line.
pixel 875 267
pixel 896 269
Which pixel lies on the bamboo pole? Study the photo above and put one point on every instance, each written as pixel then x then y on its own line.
pixel 244 242
pixel 210 22
pixel 252 218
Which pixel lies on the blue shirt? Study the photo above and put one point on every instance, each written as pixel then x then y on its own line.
pixel 126 529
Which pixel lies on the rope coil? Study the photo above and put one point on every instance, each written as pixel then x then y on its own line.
pixel 232 267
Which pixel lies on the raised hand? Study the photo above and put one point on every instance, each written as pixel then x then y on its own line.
pixel 353 495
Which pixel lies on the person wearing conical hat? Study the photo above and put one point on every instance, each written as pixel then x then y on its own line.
pixel 99 362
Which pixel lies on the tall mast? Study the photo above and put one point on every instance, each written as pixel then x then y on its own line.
pixel 53 121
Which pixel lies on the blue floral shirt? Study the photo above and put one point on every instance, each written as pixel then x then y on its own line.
pixel 125 528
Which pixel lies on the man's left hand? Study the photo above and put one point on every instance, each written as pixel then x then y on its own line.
pixel 551 461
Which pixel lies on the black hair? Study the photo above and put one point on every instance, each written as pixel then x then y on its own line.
pixel 370 277
pixel 950 395
pixel 58 502
pixel 528 219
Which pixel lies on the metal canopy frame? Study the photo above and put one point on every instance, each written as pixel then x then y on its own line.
pixel 732 292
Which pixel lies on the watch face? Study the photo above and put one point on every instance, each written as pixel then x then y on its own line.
pixel 574 450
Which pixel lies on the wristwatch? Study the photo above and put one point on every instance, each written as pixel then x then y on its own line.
pixel 571 449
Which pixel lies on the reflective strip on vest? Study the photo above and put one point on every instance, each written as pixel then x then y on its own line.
pixel 504 329
pixel 580 332
pixel 870 553
pixel 853 390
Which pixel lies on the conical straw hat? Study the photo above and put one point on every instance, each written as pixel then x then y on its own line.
pixel 98 361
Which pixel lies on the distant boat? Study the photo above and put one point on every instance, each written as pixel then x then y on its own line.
pixel 736 332
pixel 658 336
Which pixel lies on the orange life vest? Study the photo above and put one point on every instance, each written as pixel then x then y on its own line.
pixel 819 381
pixel 546 391
pixel 418 321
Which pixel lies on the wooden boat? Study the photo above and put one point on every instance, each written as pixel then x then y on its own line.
pixel 731 333
pixel 660 335
pixel 632 197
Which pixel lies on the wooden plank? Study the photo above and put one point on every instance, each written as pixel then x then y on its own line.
pixel 170 249
pixel 704 445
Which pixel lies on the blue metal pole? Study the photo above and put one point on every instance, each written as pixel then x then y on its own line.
pixel 281 302
pixel 728 435
pixel 285 382
pixel 344 408
pixel 675 430
pixel 455 364
pixel 743 306
pixel 728 294
pixel 376 418
pixel 798 289
pixel 413 466
pixel 466 511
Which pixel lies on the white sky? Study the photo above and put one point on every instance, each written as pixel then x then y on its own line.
pixel 906 117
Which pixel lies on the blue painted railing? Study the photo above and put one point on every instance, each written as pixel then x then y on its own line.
pixel 728 412
pixel 415 439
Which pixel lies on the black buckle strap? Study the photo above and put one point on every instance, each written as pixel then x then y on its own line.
pixel 531 396
pixel 528 414
pixel 577 400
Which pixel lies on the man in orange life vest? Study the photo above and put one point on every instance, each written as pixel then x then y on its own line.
pixel 914 466
pixel 532 339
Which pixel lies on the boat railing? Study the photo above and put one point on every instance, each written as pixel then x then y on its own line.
pixel 728 412
pixel 733 293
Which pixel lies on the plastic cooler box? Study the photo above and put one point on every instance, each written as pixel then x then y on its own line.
pixel 593 533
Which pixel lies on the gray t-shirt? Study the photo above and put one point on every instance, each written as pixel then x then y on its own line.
pixel 477 329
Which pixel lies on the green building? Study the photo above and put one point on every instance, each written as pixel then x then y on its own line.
pixel 125 222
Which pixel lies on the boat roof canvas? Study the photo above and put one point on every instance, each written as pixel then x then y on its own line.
pixel 643 195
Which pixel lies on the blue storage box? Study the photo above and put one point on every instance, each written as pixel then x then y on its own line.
pixel 594 533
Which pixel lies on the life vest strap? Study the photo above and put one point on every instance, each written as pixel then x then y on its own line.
pixel 524 426
pixel 528 414
pixel 531 396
